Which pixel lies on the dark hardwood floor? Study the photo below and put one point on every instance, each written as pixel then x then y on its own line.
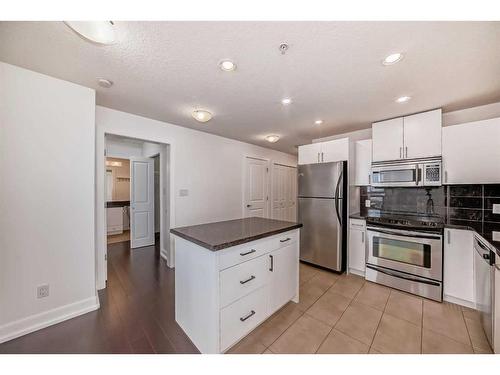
pixel 136 314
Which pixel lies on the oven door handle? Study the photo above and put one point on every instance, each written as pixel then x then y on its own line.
pixel 400 276
pixel 404 234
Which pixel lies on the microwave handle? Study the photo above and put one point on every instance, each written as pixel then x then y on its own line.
pixel 418 174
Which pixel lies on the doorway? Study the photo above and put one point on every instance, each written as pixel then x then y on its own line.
pixel 256 187
pixel 137 196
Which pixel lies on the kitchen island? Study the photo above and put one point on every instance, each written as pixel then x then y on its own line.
pixel 232 275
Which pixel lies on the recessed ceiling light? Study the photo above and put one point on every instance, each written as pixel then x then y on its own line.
pixel 392 59
pixel 286 101
pixel 273 138
pixel 403 99
pixel 103 82
pixel 101 32
pixel 318 122
pixel 201 115
pixel 227 65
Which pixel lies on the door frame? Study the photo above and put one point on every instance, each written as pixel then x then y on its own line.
pixel 167 220
pixel 244 180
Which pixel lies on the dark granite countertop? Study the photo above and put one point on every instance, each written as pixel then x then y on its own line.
pixel 111 204
pixel 224 234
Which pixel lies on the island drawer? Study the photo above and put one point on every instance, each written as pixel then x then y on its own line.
pixel 242 253
pixel 283 239
pixel 239 318
pixel 242 279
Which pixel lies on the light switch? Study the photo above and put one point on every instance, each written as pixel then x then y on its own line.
pixel 496 208
pixel 496 236
pixel 183 192
pixel 367 203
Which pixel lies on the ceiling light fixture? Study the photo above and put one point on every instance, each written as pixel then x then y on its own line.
pixel 201 115
pixel 403 99
pixel 100 32
pixel 318 122
pixel 273 138
pixel 392 59
pixel 286 101
pixel 227 65
pixel 103 82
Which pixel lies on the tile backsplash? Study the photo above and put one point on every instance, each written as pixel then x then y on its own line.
pixel 470 205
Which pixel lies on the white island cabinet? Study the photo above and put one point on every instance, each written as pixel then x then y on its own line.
pixel 227 283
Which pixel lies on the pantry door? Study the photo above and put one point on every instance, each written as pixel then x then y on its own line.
pixel 284 195
pixel 142 202
pixel 256 188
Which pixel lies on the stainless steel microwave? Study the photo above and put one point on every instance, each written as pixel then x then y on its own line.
pixel 407 174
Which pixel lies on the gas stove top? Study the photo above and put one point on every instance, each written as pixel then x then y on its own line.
pixel 409 221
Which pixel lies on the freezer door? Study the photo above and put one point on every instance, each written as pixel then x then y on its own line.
pixel 320 237
pixel 319 180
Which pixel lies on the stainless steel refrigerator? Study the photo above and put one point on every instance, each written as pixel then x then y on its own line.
pixel 323 212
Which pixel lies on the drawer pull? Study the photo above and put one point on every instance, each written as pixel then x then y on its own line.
pixel 252 313
pixel 272 263
pixel 247 280
pixel 248 252
pixel 286 239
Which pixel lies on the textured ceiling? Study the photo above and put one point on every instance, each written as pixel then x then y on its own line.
pixel 332 70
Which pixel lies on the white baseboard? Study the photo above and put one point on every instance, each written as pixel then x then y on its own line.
pixel 357 272
pixel 33 323
pixel 459 301
pixel 163 254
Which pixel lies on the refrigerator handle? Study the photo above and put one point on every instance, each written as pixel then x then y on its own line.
pixel 337 198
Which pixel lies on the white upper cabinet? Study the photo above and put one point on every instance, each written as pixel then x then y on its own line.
pixel 387 140
pixel 324 152
pixel 471 153
pixel 363 162
pixel 422 135
pixel 310 154
pixel 409 137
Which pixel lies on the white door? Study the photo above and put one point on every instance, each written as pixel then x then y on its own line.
pixel 291 195
pixel 458 269
pixel 335 150
pixel 357 251
pixel 142 202
pixel 283 269
pixel 387 139
pixel 422 135
pixel 256 193
pixel 310 154
pixel 284 197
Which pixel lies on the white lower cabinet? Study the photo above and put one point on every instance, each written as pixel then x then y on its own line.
pixel 220 296
pixel 458 269
pixel 357 246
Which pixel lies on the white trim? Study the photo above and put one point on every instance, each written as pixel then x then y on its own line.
pixel 35 322
pixel 356 272
pixel 459 301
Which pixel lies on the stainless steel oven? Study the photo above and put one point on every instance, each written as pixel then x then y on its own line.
pixel 407 174
pixel 405 259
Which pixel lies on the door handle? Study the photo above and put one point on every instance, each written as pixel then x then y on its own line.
pixel 322 157
pixel 272 263
pixel 248 252
pixel 286 239
pixel 252 313
pixel 318 157
pixel 406 151
pixel 449 237
pixel 363 237
pixel 400 151
pixel 247 280
pixel 249 205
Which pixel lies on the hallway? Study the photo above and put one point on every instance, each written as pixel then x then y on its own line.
pixel 136 314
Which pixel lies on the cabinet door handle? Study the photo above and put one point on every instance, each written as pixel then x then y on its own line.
pixel 449 237
pixel 322 157
pixel 247 280
pixel 248 252
pixel 286 239
pixel 445 176
pixel 252 313
pixel 400 151
pixel 318 157
pixel 363 237
pixel 272 263
pixel 406 151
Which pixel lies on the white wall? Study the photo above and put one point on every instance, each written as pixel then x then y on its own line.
pixel 46 200
pixel 209 166
pixel 117 148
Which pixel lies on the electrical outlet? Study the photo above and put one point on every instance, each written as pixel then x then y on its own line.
pixel 367 203
pixel 42 291
pixel 495 236
pixel 496 208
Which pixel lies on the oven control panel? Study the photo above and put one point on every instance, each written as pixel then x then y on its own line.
pixel 432 174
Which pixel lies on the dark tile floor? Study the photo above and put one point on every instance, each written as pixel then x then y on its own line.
pixel 136 314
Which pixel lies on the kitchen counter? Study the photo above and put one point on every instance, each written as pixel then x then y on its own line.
pixel 111 204
pixel 223 234
pixel 357 215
